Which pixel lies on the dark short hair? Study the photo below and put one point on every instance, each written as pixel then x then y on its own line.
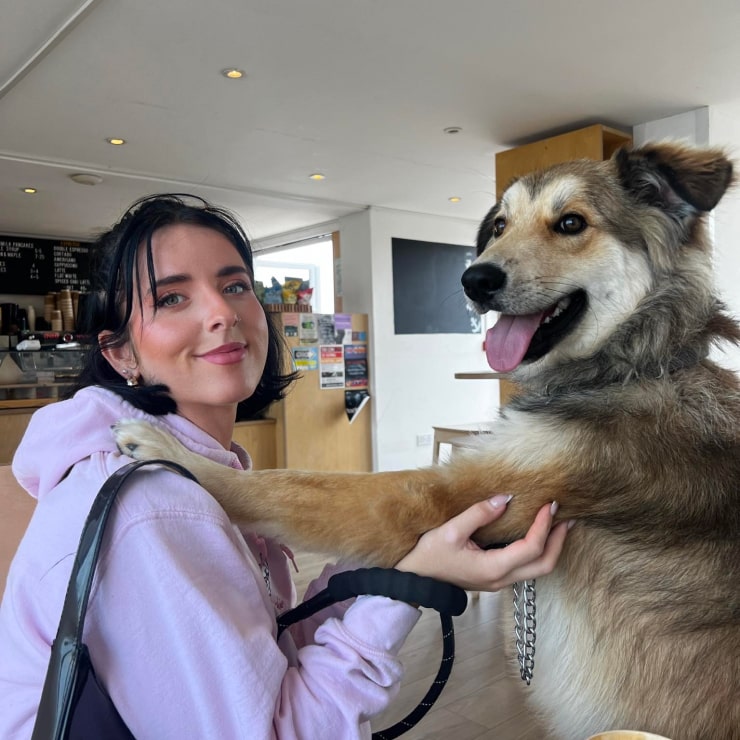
pixel 110 303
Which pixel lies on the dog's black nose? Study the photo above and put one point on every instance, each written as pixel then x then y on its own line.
pixel 482 281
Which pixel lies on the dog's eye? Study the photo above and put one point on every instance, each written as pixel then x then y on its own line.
pixel 571 223
pixel 498 226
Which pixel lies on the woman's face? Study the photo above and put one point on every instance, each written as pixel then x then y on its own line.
pixel 208 339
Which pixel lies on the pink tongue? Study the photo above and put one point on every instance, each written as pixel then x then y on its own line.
pixel 508 340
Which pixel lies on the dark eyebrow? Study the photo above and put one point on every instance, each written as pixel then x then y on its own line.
pixel 171 280
pixel 233 270
pixel 183 277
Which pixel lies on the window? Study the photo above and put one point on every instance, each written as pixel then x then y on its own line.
pixel 313 262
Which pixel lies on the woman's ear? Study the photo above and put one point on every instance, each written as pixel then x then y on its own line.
pixel 120 357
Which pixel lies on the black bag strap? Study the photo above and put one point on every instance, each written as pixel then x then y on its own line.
pixel 445 598
pixel 57 698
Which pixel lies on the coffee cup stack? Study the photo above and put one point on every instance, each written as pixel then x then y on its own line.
pixel 67 310
pixel 50 304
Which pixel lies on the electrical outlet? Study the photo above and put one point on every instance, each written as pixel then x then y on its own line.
pixel 423 440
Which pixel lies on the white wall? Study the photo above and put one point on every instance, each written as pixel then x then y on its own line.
pixel 692 127
pixel 724 131
pixel 412 376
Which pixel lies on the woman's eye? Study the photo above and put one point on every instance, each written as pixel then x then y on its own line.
pixel 498 226
pixel 236 288
pixel 571 223
pixel 171 299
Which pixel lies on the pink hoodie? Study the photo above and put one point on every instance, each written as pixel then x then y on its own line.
pixel 181 622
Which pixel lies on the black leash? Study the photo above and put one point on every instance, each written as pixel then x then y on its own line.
pixel 445 598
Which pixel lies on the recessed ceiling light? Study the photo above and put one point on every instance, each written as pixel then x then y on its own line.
pixel 317 176
pixel 29 191
pixel 85 178
pixel 452 130
pixel 233 73
pixel 116 141
pixel 455 199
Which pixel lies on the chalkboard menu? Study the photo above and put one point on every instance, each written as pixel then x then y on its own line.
pixel 427 294
pixel 38 266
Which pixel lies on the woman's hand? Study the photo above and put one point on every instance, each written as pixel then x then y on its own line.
pixel 448 554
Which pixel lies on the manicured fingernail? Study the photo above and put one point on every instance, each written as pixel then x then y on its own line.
pixel 554 506
pixel 571 523
pixel 501 500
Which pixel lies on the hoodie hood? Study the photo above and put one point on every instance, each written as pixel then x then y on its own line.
pixel 64 433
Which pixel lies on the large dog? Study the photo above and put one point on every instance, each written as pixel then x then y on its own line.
pixel 602 274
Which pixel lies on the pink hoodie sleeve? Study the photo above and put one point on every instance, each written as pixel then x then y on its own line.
pixel 303 631
pixel 183 635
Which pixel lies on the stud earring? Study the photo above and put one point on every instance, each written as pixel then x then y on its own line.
pixel 132 380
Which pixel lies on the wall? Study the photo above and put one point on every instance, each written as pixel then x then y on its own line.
pixel 724 131
pixel 412 376
pixel 716 126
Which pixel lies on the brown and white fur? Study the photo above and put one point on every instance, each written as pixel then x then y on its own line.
pixel 622 419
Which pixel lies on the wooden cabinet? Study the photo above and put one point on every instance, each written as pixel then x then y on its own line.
pixel 259 439
pixel 593 142
pixel 313 430
pixel 13 425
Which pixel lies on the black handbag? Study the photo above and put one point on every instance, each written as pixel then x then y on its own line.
pixel 75 705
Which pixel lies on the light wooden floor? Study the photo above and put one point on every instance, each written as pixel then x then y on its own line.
pixel 483 700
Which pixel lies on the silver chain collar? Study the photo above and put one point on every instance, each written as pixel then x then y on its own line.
pixel 525 627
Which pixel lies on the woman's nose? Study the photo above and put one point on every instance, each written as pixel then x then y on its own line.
pixel 220 313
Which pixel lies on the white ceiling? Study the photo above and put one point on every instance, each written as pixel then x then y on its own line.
pixel 360 90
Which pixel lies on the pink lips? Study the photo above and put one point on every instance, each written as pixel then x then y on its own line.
pixel 226 354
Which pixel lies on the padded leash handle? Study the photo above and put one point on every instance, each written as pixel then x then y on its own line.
pixel 445 598
pixel 395 584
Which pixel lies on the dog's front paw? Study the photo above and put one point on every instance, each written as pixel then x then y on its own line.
pixel 142 441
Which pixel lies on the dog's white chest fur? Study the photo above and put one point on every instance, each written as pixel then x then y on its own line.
pixel 572 698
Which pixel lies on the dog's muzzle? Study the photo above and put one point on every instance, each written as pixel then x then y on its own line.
pixel 481 282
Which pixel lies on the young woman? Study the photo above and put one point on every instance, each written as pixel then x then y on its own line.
pixel 181 618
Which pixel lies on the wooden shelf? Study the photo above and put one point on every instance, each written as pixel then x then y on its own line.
pixel 54 384
pixel 480 375
pixel 13 404
pixel 287 308
pixel 40 395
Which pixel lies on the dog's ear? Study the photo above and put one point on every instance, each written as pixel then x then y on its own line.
pixel 485 230
pixel 671 175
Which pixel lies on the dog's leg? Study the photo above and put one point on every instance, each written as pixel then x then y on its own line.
pixel 374 517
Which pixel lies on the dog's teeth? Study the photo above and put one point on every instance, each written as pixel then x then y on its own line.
pixel 559 308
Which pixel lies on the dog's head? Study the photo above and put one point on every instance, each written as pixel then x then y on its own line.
pixel 570 252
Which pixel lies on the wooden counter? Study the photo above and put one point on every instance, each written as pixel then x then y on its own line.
pixel 257 437
pixel 13 423
pixel 480 375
